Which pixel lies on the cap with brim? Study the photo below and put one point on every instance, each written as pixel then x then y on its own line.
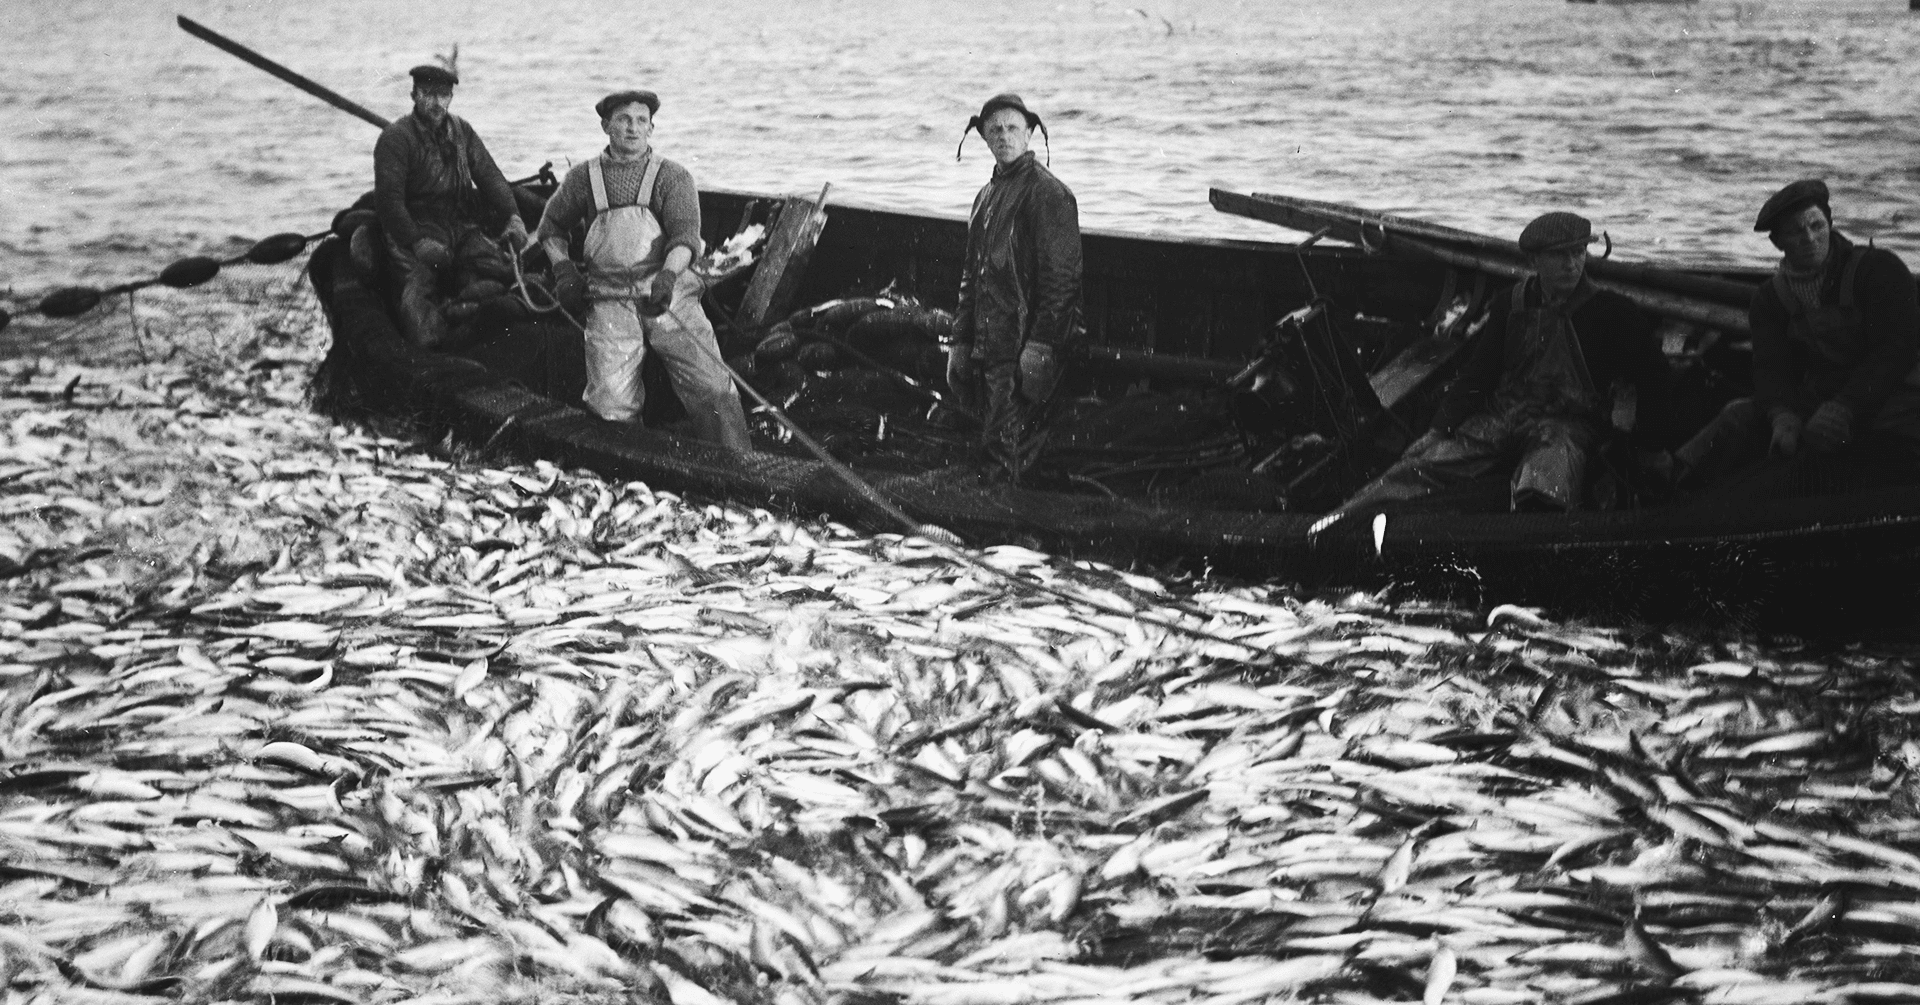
pixel 1795 197
pixel 1007 100
pixel 606 105
pixel 1554 231
pixel 433 76
pixel 994 104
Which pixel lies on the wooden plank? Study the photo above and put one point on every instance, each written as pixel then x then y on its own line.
pixel 781 270
pixel 1406 372
pixel 1662 302
pixel 1357 219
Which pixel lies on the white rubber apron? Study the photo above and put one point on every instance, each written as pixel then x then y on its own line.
pixel 623 253
pixel 623 243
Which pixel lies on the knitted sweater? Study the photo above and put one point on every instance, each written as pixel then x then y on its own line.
pixel 675 202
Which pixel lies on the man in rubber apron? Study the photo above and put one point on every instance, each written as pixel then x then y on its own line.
pixel 1531 391
pixel 643 231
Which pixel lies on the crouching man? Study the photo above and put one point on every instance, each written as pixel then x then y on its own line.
pixel 642 214
pixel 1534 392
pixel 1836 334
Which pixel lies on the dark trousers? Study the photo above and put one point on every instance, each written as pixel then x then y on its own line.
pixel 1013 429
pixel 1549 453
pixel 1729 456
pixel 475 256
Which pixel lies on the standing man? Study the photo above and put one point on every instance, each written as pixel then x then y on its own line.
pixel 1019 288
pixel 1836 334
pixel 642 213
pixel 432 181
pixel 1534 388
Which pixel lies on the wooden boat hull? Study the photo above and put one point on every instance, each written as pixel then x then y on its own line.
pixel 1838 560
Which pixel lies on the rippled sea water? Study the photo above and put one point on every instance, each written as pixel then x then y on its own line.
pixel 124 142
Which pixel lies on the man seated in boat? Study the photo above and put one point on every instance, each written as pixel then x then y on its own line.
pixel 642 218
pixel 433 182
pixel 1535 390
pixel 1836 335
pixel 1019 289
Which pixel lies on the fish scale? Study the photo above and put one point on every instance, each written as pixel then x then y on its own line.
pixel 1271 770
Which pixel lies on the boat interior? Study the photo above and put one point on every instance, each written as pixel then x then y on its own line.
pixel 1219 374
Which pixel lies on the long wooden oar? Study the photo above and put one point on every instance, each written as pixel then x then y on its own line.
pixel 331 97
pixel 1347 227
pixel 222 42
pixel 1724 291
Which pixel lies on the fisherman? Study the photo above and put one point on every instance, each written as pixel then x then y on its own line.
pixel 1537 383
pixel 1019 304
pixel 1836 335
pixel 642 214
pixel 433 183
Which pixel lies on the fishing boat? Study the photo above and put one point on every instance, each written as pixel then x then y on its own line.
pixel 1281 375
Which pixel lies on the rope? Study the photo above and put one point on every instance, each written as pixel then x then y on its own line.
pixel 520 286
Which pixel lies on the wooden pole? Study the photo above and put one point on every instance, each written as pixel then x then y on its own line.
pixel 1665 303
pixel 1724 291
pixel 229 46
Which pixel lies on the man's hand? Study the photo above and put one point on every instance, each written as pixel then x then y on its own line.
pixel 1786 434
pixel 431 253
pixel 516 233
pixel 1038 372
pixel 569 287
pixel 1830 428
pixel 660 295
pixel 959 367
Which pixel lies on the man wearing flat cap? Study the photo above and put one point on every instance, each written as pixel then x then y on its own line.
pixel 434 183
pixel 642 217
pixel 1836 335
pixel 1535 388
pixel 1019 289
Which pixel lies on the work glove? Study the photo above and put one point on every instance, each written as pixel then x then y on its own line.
pixel 569 287
pixel 516 233
pixel 660 295
pixel 959 367
pixel 431 253
pixel 1830 428
pixel 1038 372
pixel 1786 434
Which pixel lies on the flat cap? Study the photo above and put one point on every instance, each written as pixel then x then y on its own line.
pixel 1553 231
pixel 1795 197
pixel 433 76
pixel 606 105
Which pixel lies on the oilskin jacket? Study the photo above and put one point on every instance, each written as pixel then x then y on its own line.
pixel 1616 344
pixel 1858 349
pixel 423 174
pixel 1021 278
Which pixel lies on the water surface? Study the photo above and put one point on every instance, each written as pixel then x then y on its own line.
pixel 128 142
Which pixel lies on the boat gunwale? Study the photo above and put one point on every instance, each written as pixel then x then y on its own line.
pixel 1883 524
pixel 1330 247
